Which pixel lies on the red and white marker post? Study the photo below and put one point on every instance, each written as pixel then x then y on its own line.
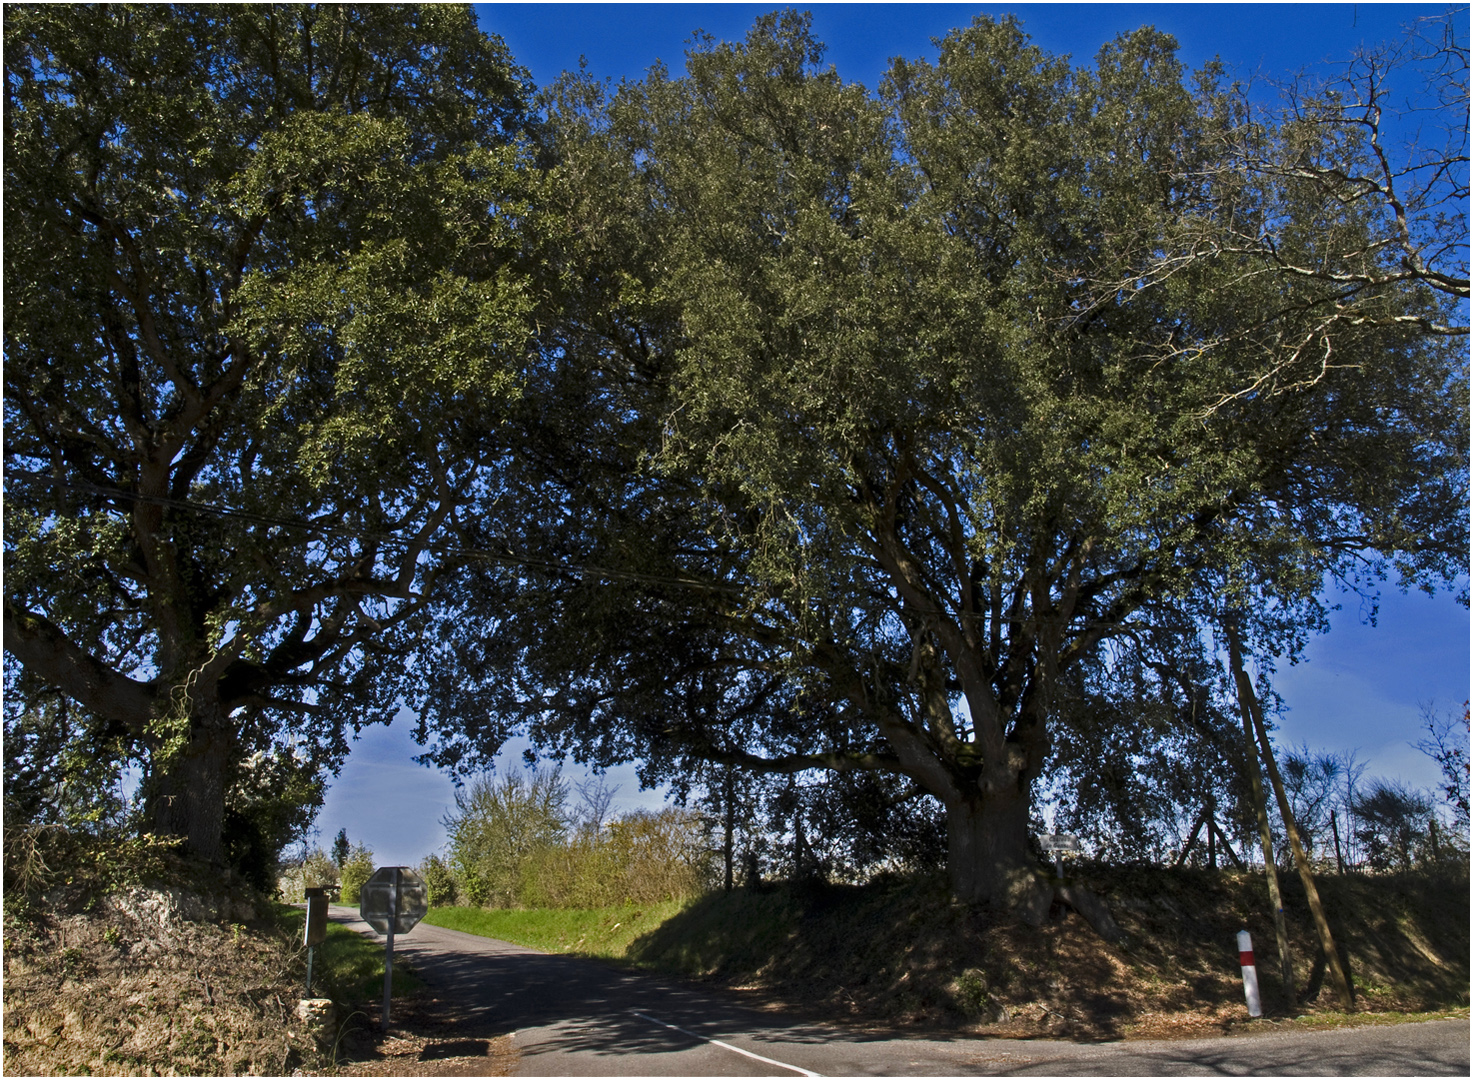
pixel 1250 973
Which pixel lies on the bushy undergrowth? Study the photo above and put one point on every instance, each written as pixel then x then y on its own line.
pixel 642 858
pixel 52 867
pixel 903 949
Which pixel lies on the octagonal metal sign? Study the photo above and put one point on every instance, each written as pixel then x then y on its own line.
pixel 394 894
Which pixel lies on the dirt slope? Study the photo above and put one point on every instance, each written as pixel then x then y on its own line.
pixel 900 951
pixel 152 982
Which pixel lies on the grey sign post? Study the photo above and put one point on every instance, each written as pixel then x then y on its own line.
pixel 314 927
pixel 392 901
pixel 1058 843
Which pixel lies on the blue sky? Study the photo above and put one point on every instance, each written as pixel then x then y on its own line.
pixel 622 40
pixel 1359 687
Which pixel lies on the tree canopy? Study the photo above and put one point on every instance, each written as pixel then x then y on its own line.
pixel 268 283
pixel 741 417
pixel 931 405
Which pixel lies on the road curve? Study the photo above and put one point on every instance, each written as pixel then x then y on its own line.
pixel 574 1017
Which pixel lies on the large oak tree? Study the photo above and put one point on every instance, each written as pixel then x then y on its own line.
pixel 898 410
pixel 266 267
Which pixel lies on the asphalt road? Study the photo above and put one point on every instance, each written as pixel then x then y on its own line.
pixel 574 1017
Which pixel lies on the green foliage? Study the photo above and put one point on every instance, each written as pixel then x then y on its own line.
pixel 945 422
pixel 62 766
pixel 922 413
pixel 644 857
pixel 357 868
pixel 341 848
pixel 514 844
pixel 439 880
pixel 498 825
pixel 267 283
pixel 272 803
pixel 971 992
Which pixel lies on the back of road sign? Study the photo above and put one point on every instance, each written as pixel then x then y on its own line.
pixel 379 899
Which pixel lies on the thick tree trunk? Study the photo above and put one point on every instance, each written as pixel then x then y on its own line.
pixel 187 796
pixel 988 854
pixel 991 863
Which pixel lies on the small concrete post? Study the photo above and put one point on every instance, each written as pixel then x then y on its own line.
pixel 1250 973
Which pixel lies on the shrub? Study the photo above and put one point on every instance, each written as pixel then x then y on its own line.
pixel 439 880
pixel 662 855
pixel 500 825
pixel 511 845
pixel 643 858
pixel 357 868
pixel 579 873
pixel 316 870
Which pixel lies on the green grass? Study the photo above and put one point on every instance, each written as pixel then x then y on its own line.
pixel 349 967
pixel 601 932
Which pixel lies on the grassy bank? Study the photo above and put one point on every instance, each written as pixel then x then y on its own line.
pixel 902 951
pixel 607 933
pixel 348 967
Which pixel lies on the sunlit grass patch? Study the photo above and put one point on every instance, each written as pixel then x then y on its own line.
pixel 348 966
pixel 602 932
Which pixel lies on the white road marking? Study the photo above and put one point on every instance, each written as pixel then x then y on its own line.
pixel 727 1046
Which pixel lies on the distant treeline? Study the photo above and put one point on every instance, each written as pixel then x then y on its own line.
pixel 515 842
